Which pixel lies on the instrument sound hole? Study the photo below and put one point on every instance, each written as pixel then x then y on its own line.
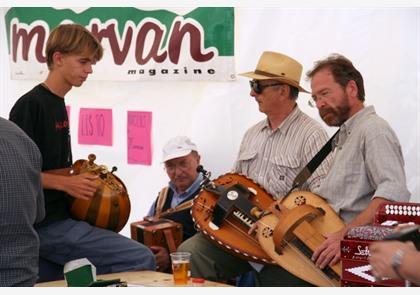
pixel 267 232
pixel 300 200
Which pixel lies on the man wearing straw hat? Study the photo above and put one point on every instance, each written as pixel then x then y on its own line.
pixel 272 153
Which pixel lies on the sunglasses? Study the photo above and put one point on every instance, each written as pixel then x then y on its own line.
pixel 258 89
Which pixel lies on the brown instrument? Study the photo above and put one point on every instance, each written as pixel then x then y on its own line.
pixel 223 211
pixel 109 208
pixel 296 226
pixel 157 232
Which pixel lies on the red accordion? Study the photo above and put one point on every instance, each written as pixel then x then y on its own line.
pixel 356 270
pixel 398 212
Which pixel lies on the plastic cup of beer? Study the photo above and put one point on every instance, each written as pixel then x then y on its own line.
pixel 181 267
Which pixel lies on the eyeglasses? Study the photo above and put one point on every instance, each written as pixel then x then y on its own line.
pixel 258 89
pixel 325 94
pixel 183 166
pixel 312 103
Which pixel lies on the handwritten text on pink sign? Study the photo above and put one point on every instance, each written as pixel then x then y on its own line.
pixel 139 147
pixel 95 126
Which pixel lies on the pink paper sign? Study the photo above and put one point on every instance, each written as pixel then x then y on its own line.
pixel 95 126
pixel 139 147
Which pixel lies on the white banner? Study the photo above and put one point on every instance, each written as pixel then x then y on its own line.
pixel 138 44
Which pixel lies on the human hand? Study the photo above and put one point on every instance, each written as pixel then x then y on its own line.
pixel 381 255
pixel 253 229
pixel 328 253
pixel 403 226
pixel 162 257
pixel 82 186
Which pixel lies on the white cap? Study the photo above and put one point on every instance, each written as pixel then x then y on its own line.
pixel 178 146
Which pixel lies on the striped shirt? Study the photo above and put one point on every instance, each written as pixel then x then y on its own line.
pixel 273 158
pixel 367 162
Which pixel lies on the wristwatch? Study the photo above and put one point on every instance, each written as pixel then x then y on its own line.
pixel 396 261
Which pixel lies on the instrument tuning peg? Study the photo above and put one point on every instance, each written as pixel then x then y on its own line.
pixel 206 182
pixel 91 159
pixel 200 169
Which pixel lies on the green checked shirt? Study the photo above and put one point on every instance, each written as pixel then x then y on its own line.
pixel 367 162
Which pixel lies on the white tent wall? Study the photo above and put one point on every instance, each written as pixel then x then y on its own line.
pixel 383 43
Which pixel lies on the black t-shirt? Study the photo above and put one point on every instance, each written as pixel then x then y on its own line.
pixel 43 116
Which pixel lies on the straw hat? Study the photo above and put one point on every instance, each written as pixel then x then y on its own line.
pixel 277 66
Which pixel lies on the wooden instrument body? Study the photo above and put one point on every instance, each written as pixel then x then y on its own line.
pixel 110 207
pixel 304 237
pixel 158 232
pixel 232 235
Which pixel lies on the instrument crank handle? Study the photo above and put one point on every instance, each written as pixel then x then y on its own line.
pixel 257 212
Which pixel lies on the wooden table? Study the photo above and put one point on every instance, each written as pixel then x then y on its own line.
pixel 138 278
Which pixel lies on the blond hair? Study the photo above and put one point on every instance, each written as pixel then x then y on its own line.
pixel 72 39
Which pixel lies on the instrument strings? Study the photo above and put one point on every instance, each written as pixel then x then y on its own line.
pixel 306 258
pixel 303 251
pixel 205 207
pixel 241 231
pixel 300 248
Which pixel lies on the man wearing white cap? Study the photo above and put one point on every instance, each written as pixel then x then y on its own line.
pixel 272 153
pixel 181 159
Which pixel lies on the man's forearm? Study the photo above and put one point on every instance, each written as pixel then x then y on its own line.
pixel 367 215
pixel 52 180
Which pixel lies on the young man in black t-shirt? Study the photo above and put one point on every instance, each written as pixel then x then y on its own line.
pixel 71 52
